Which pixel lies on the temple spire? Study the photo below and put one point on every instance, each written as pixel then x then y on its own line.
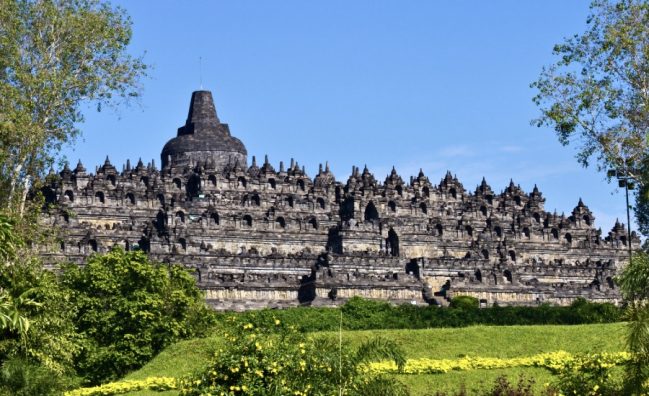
pixel 201 107
pixel 201 116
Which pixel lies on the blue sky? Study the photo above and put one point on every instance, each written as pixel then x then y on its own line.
pixel 416 84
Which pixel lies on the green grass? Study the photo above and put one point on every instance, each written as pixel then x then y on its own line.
pixel 499 341
pixel 472 380
pixel 186 357
pixel 179 359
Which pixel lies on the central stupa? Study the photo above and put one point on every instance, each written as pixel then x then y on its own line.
pixel 203 138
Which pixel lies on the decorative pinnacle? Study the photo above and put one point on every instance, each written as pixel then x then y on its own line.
pixel 80 167
pixel 201 107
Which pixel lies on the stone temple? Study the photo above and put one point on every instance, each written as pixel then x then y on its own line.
pixel 259 236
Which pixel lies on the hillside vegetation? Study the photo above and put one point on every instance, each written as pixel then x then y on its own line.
pixel 189 356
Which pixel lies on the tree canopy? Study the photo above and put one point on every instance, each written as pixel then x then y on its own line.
pixel 55 56
pixel 128 309
pixel 597 93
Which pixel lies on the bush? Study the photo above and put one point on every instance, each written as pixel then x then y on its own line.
pixel 128 309
pixel 280 361
pixel 158 384
pixel 363 314
pixel 18 377
pixel 465 302
pixel 50 339
pixel 589 375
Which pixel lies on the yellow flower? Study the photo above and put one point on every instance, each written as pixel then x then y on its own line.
pixel 277 322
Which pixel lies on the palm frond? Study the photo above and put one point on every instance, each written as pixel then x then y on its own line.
pixel 380 349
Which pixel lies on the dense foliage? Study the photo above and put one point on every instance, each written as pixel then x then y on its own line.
pixel 21 377
pixel 362 314
pixel 280 361
pixel 128 309
pixel 634 286
pixel 38 341
pixel 96 321
pixel 464 302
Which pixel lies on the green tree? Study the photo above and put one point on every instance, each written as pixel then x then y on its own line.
pixel 596 95
pixel 128 309
pixel 38 342
pixel 55 56
pixel 50 338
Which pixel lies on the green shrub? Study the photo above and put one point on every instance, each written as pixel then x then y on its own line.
pixel 276 360
pixel 589 375
pixel 158 384
pixel 128 309
pixel 363 314
pixel 465 302
pixel 18 377
pixel 50 339
pixel 360 313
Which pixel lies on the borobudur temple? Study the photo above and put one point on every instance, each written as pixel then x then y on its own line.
pixel 257 236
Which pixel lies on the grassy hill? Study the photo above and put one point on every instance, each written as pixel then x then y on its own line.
pixel 450 343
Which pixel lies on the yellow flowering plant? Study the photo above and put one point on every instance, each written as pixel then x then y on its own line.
pixel 277 360
pixel 557 362
pixel 121 387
